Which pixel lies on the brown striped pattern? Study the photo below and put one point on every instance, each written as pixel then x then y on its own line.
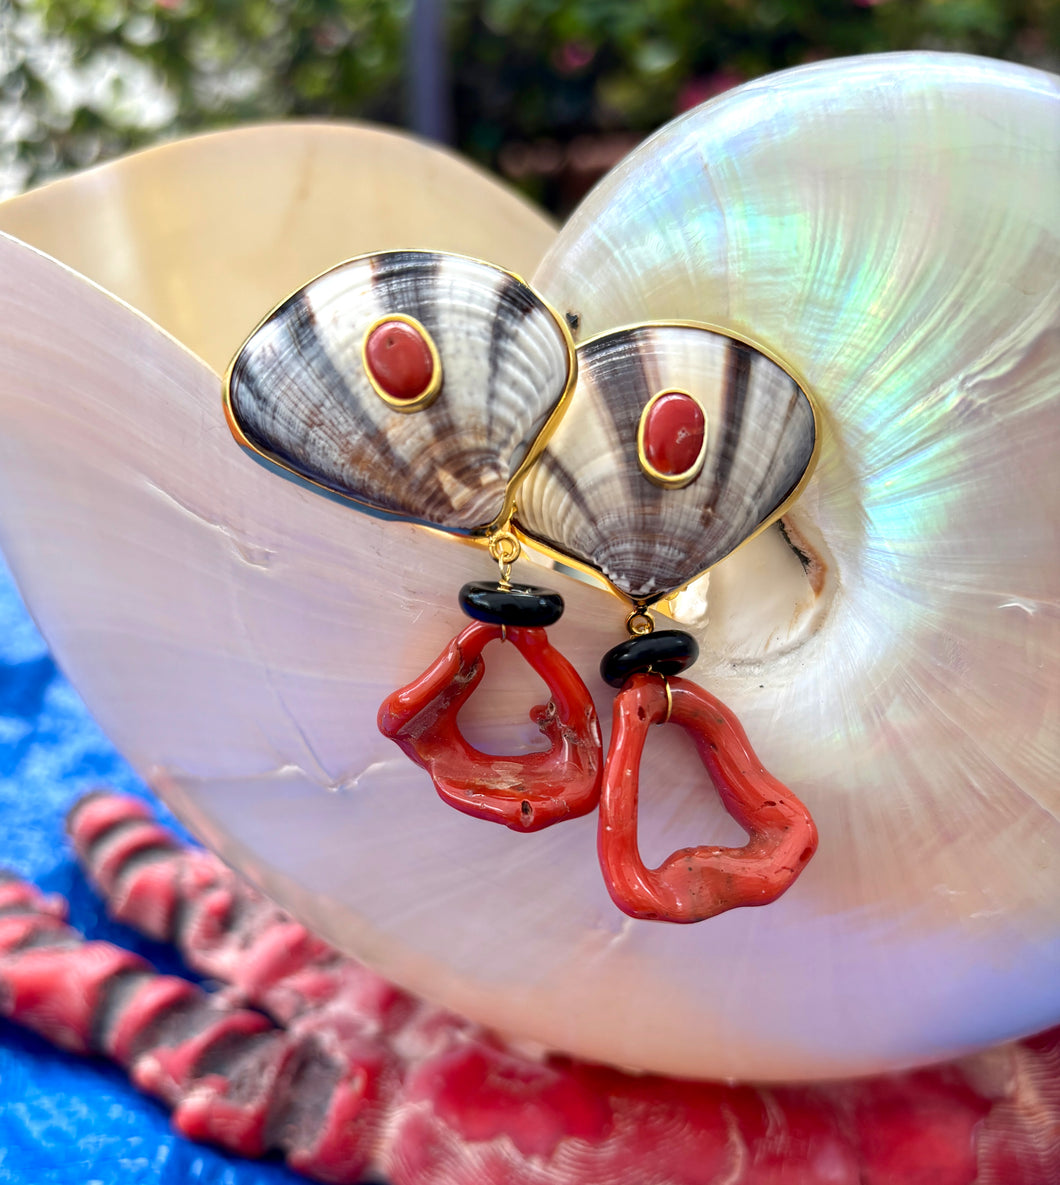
pixel 300 396
pixel 589 497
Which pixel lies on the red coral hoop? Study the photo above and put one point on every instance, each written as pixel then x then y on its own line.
pixel 527 791
pixel 697 883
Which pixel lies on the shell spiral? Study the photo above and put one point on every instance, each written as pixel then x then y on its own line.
pixel 889 227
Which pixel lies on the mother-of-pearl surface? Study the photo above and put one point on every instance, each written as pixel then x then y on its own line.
pixel 235 633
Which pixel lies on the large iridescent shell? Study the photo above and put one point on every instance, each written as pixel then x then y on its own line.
pixel 301 393
pixel 888 228
pixel 591 496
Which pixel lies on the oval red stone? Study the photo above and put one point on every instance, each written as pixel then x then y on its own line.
pixel 672 433
pixel 399 360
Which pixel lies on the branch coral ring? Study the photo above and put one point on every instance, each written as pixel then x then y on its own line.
pixel 527 791
pixel 697 883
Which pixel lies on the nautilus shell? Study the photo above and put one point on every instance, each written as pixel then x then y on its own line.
pixel 887 229
pixel 497 367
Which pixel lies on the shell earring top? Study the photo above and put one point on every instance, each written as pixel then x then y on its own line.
pixel 416 384
pixel 423 386
pixel 681 443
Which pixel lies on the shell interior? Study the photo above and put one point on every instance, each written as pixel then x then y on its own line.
pixel 590 498
pixel 299 393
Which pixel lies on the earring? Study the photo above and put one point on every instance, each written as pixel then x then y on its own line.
pixel 423 386
pixel 683 442
pixel 692 884
pixel 431 387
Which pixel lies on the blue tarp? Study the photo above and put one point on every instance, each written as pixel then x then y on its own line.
pixel 66 1120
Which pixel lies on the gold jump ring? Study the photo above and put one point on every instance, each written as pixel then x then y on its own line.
pixel 639 622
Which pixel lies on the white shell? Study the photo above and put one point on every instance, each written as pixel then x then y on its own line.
pixel 589 496
pixel 300 390
pixel 889 227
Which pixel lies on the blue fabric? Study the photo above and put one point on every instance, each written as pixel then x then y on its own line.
pixel 66 1120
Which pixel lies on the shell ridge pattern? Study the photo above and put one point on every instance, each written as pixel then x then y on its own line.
pixel 644 538
pixel 264 366
pixel 513 306
pixel 304 393
pixel 591 436
pixel 625 527
pixel 496 388
pixel 338 360
pixel 421 287
pixel 466 471
pixel 408 278
pixel 733 410
pixel 564 483
pixel 785 434
pixel 765 484
pixel 425 290
pixel 338 371
pixel 530 326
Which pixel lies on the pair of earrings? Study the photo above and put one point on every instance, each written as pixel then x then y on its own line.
pixel 439 389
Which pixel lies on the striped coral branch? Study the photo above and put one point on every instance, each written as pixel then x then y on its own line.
pixel 231 1076
pixel 223 928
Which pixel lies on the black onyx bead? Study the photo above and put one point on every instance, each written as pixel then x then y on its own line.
pixel 522 604
pixel 666 652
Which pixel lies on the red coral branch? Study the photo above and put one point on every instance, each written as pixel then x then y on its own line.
pixel 694 884
pixel 366 1080
pixel 222 927
pixel 527 791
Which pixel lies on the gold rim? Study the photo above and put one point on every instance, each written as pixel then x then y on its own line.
pixel 671 481
pixel 429 393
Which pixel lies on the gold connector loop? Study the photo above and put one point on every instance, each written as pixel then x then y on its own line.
pixel 639 622
pixel 669 700
pixel 505 548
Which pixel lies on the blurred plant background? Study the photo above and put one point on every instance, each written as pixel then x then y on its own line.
pixel 548 92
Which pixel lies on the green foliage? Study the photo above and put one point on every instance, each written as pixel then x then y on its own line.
pixel 641 59
pixel 84 79
pixel 238 59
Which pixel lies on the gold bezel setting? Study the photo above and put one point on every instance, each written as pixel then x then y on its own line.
pixel 429 393
pixel 671 481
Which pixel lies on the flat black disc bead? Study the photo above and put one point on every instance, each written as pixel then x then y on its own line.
pixel 666 652
pixel 522 604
